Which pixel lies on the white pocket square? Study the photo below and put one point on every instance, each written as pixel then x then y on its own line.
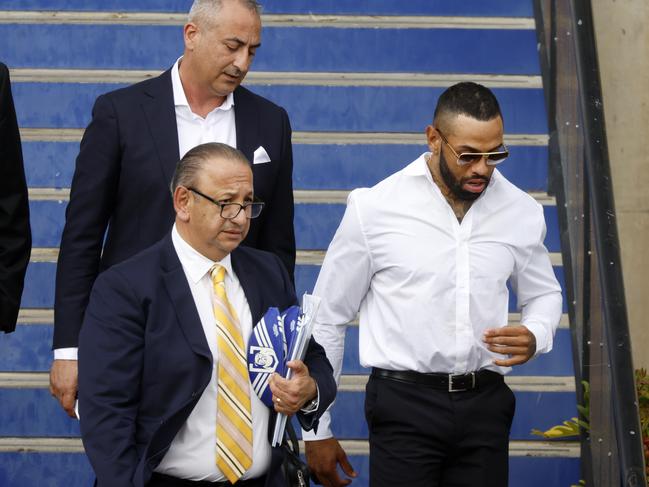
pixel 260 156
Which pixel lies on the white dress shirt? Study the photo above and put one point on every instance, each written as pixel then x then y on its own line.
pixel 192 454
pixel 426 287
pixel 193 130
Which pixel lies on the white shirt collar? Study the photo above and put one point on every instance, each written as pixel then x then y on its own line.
pixel 418 167
pixel 180 99
pixel 196 265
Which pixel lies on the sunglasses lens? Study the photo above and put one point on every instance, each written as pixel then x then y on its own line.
pixel 497 157
pixel 467 158
pixel 474 157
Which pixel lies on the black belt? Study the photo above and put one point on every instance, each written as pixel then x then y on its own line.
pixel 444 382
pixel 164 480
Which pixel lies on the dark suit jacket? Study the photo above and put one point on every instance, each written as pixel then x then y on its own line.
pixel 144 361
pixel 121 181
pixel 15 234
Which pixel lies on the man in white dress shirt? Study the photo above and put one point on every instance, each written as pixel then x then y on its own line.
pixel 424 258
pixel 119 198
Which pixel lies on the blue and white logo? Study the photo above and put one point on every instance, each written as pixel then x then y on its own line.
pixel 266 353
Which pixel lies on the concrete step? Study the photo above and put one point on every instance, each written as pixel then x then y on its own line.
pixel 55 462
pixel 28 350
pixel 390 44
pixel 311 108
pixel 33 412
pixel 493 8
pixel 315 223
pixel 316 166
pixel 39 288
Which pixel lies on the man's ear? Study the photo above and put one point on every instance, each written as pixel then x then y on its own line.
pixel 433 139
pixel 182 203
pixel 190 35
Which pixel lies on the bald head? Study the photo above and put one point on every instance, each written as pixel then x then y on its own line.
pixel 192 164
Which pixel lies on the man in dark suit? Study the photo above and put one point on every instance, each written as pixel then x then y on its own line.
pixel 15 234
pixel 150 349
pixel 119 203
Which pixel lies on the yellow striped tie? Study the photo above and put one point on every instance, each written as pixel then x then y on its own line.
pixel 234 418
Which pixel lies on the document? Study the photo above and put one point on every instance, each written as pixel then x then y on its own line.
pixel 297 345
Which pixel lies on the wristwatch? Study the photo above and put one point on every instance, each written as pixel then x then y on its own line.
pixel 310 406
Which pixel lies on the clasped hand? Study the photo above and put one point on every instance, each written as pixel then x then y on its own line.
pixel 290 395
pixel 516 341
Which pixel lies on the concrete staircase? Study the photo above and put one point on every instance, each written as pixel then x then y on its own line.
pixel 359 80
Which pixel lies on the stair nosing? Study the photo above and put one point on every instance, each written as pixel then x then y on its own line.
pixel 517 448
pixel 45 316
pixel 301 196
pixel 272 20
pixel 348 382
pixel 297 78
pixel 30 134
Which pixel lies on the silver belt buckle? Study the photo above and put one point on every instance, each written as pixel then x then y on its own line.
pixel 461 389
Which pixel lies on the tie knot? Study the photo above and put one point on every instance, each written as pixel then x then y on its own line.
pixel 217 272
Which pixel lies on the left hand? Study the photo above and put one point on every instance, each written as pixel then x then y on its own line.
pixel 64 384
pixel 516 341
pixel 289 396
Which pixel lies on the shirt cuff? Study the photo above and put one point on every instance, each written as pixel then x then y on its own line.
pixel 324 429
pixel 312 406
pixel 543 339
pixel 65 353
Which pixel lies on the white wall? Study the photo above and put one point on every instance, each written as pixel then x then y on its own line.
pixel 622 29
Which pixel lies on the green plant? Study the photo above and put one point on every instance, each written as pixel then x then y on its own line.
pixel 573 426
pixel 642 388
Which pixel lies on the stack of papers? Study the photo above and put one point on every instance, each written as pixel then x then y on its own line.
pixel 279 337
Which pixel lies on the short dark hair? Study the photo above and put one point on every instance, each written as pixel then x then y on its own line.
pixel 194 161
pixel 467 98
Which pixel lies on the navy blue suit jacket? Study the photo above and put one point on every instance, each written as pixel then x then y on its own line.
pixel 120 201
pixel 144 360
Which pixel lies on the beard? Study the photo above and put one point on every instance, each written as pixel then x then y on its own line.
pixel 455 184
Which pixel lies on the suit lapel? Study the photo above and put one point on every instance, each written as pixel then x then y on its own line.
pixel 159 109
pixel 181 299
pixel 246 121
pixel 250 282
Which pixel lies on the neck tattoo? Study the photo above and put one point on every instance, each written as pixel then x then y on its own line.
pixel 459 207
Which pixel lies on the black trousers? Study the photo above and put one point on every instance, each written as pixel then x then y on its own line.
pixel 420 436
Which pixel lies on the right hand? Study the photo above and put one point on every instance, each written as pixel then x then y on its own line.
pixel 63 384
pixel 323 456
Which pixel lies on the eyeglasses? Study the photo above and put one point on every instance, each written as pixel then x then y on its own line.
pixel 465 158
pixel 230 211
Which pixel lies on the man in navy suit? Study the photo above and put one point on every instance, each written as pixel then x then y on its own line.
pixel 15 234
pixel 149 360
pixel 119 203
